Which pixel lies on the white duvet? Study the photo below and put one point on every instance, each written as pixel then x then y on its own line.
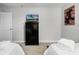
pixel 63 47
pixel 8 48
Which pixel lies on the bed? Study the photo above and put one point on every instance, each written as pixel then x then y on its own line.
pixel 9 48
pixel 63 47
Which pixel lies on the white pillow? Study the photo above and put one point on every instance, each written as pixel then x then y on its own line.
pixel 68 43
pixel 4 43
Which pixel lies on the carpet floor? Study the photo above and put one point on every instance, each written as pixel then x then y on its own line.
pixel 34 49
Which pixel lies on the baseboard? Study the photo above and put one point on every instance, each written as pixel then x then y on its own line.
pixel 39 42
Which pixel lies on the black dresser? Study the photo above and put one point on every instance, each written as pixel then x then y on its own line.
pixel 31 33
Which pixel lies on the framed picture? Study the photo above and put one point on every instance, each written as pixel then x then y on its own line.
pixel 32 17
pixel 69 16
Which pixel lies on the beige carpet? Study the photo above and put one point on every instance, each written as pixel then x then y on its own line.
pixel 35 49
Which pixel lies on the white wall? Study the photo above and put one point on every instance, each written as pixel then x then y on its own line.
pixel 49 26
pixel 71 32
pixel 49 18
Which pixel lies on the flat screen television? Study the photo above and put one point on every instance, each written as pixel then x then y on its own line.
pixel 32 17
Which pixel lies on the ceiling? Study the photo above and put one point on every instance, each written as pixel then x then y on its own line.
pixel 33 4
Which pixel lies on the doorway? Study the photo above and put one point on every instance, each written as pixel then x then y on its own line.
pixel 5 26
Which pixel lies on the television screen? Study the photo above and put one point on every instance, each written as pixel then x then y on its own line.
pixel 32 17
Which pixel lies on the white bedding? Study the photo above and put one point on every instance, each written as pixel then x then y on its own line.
pixel 8 48
pixel 54 50
pixel 61 49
